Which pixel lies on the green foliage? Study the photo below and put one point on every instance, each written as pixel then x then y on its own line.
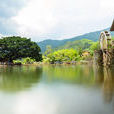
pixel 81 45
pixel 72 51
pixel 93 47
pixel 27 60
pixel 80 51
pixel 112 37
pixel 12 48
pixel 78 44
pixel 17 62
pixel 48 50
pixel 94 36
pixel 64 55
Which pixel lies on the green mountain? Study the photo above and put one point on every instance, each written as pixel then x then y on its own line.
pixel 82 44
pixel 94 36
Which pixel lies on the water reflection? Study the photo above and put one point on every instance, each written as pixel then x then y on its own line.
pixel 105 77
pixel 87 76
pixel 19 77
pixel 69 74
pixel 108 85
pixel 56 90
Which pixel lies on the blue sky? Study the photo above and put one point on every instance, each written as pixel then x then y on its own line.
pixel 54 19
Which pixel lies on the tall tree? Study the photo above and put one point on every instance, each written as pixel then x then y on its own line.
pixel 15 47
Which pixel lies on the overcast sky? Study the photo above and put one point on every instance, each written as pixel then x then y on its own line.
pixel 54 19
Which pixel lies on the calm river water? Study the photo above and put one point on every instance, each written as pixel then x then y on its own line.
pixel 56 90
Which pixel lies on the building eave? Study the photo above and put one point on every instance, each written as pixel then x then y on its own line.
pixel 112 27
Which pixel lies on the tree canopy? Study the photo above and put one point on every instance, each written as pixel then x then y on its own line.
pixel 15 47
pixel 71 51
pixel 64 55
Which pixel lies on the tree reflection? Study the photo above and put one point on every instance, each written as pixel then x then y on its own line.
pixel 19 77
pixel 69 74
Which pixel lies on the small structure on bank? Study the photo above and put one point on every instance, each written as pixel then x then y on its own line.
pixel 105 56
pixel 85 53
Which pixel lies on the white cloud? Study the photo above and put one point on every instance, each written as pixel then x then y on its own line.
pixel 107 4
pixel 37 18
pixel 1 35
pixel 58 19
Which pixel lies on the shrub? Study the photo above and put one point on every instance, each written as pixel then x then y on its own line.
pixel 27 60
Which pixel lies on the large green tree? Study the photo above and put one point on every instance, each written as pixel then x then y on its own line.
pixel 15 47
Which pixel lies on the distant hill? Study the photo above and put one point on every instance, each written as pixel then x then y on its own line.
pixel 94 36
pixel 77 44
pixel 53 43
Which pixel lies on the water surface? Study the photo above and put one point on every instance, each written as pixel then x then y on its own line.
pixel 56 90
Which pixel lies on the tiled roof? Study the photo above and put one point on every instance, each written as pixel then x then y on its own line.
pixel 112 27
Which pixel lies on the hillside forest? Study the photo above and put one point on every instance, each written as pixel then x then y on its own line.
pixel 71 52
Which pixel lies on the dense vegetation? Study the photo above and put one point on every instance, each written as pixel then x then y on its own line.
pixel 22 61
pixel 83 44
pixel 19 50
pixel 71 51
pixel 94 36
pixel 61 56
pixel 12 48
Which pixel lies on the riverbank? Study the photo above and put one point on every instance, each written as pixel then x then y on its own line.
pixel 56 63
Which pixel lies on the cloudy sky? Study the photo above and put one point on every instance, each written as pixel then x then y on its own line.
pixel 54 19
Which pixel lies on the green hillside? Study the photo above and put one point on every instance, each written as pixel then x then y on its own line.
pixel 94 36
pixel 83 44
